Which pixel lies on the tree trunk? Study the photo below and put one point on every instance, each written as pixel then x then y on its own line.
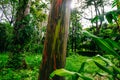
pixel 72 41
pixel 97 26
pixel 100 25
pixel 54 53
pixel 16 57
pixel 118 22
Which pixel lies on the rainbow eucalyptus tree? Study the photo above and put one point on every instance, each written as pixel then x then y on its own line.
pixel 54 53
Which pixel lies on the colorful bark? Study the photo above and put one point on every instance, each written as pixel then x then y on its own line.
pixel 59 2
pixel 54 53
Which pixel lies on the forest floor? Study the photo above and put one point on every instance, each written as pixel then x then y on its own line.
pixel 73 63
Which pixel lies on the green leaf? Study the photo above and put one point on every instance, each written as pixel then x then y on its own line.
pixel 89 34
pixel 110 64
pixel 61 72
pixel 82 67
pixel 116 69
pixel 114 14
pixel 109 17
pixel 102 44
pixel 66 73
pixel 106 60
pixel 84 77
pixel 114 3
pixel 101 17
pixel 113 43
pixel 103 68
pixel 94 19
pixel 105 74
pixel 106 47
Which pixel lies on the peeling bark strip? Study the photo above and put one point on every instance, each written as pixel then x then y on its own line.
pixel 59 2
pixel 54 53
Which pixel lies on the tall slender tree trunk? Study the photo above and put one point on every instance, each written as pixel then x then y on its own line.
pixel 100 25
pixel 72 39
pixel 75 35
pixel 97 26
pixel 118 23
pixel 54 53
pixel 16 59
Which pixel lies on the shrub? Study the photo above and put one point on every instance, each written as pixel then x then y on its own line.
pixel 5 36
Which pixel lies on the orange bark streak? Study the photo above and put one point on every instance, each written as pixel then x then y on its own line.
pixel 59 2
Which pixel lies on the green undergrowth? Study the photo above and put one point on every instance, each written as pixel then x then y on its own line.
pixel 31 73
pixel 73 63
pixel 3 60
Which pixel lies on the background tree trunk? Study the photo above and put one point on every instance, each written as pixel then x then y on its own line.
pixel 118 7
pixel 54 53
pixel 16 59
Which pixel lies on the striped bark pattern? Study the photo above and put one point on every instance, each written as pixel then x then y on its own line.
pixel 54 53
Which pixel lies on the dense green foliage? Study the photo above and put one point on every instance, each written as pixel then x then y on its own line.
pixel 92 53
pixel 33 60
pixel 5 36
pixel 74 63
pixel 30 73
